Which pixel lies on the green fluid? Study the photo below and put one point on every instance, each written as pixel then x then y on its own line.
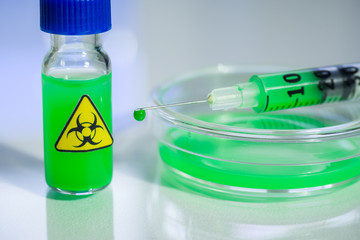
pixel 139 115
pixel 197 159
pixel 300 91
pixel 75 171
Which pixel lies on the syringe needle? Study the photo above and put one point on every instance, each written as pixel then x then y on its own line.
pixel 139 114
pixel 172 105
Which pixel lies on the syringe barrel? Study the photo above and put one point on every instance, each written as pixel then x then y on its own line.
pixel 307 87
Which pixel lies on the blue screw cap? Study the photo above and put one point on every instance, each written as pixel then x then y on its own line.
pixel 75 17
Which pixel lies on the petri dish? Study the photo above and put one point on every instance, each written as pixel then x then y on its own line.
pixel 239 153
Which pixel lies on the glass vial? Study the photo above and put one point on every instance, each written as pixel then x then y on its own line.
pixel 76 84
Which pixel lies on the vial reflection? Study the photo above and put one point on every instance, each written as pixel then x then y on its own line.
pixel 80 217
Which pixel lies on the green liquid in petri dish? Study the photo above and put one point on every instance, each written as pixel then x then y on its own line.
pixel 75 171
pixel 201 155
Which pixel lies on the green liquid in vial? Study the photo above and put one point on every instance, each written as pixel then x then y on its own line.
pixel 200 150
pixel 75 171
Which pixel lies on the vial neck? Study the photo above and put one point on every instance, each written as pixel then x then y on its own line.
pixel 73 42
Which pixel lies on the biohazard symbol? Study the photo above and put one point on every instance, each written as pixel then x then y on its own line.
pixel 85 130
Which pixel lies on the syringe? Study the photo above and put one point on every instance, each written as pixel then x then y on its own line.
pixel 277 91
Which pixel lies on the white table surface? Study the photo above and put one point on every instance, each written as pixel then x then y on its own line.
pixel 138 205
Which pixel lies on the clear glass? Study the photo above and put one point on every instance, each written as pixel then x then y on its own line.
pixel 241 153
pixel 74 67
pixel 69 54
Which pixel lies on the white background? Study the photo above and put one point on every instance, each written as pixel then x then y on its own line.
pixel 151 42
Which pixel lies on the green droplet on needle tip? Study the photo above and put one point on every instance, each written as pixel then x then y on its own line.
pixel 139 114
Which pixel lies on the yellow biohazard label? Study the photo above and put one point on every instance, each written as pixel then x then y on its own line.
pixel 85 130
